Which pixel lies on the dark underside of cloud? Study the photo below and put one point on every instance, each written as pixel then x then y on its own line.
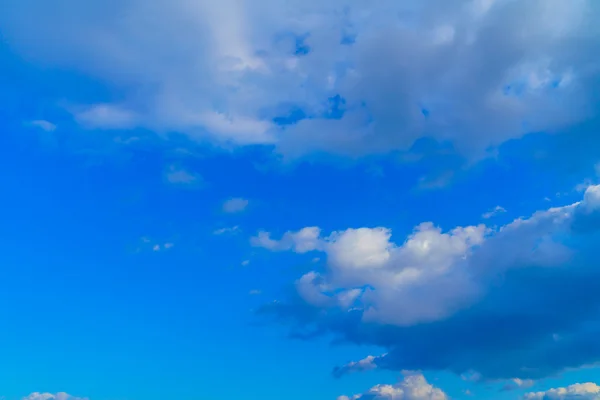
pixel 531 323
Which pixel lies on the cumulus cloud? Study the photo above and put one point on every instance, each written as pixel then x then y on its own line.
pixel 394 283
pixel 472 300
pixel 235 205
pixel 367 79
pixel 51 396
pixel 412 387
pixel 578 391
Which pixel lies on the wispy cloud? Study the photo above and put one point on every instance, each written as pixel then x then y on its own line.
pixel 235 205
pixel 43 124
pixel 493 212
pixel 229 230
pixel 182 177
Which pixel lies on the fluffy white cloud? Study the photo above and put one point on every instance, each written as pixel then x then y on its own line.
pixel 235 205
pixel 395 284
pixel 472 72
pixel 578 391
pixel 432 274
pixel 51 396
pixel 412 387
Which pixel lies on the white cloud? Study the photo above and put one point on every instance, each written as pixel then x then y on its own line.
pixel 106 116
pixel 51 396
pixel 44 125
pixel 578 391
pixel 366 364
pixel 360 248
pixel 302 241
pixel 412 387
pixel 230 230
pixel 517 383
pixel 493 212
pixel 485 71
pixel 433 274
pixel 155 246
pixel 235 205
pixel 160 247
pixel 182 177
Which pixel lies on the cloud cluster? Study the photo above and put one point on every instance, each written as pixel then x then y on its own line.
pixel 342 76
pixel 412 387
pixel 394 284
pixel 578 391
pixel 518 301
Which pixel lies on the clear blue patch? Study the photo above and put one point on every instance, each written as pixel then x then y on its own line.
pixel 348 39
pixel 292 117
pixel 302 48
pixel 337 107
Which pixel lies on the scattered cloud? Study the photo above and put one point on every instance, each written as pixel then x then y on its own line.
pixel 305 240
pixel 578 391
pixel 227 230
pixel 245 263
pixel 255 292
pixel 235 205
pixel 471 376
pixel 43 125
pixel 51 396
pixel 413 387
pixel 366 364
pixel 495 211
pixel 517 383
pixel 182 177
pixel 159 247
pixel 149 244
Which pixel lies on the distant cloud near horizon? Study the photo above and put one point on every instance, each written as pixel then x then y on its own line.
pixel 51 396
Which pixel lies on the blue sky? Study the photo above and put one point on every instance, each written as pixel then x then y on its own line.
pixel 299 200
